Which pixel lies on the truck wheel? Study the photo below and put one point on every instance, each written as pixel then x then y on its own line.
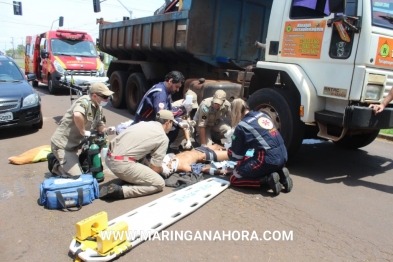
pixel 51 87
pixel 136 88
pixel 283 111
pixel 357 141
pixel 35 83
pixel 118 85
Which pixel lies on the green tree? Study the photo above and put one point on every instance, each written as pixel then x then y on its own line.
pixel 20 50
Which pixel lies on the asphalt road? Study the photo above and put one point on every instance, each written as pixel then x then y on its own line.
pixel 340 209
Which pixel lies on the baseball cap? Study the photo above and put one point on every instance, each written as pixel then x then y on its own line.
pixel 219 97
pixel 100 88
pixel 194 98
pixel 167 115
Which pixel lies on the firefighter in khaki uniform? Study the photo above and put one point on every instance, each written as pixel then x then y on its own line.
pixel 213 116
pixel 84 116
pixel 131 146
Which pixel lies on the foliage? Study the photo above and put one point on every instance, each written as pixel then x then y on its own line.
pixel 387 131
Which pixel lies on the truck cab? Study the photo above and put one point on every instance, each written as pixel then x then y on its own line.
pixel 52 54
pixel 314 66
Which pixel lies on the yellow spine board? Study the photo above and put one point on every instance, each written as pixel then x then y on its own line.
pixel 90 226
pixel 117 234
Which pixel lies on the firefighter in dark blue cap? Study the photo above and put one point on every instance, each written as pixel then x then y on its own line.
pixel 255 130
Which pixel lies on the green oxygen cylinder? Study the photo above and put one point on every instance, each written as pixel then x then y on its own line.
pixel 96 162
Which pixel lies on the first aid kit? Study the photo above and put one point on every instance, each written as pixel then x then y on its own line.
pixel 68 193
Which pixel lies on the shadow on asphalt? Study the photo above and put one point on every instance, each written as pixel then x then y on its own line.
pixel 13 132
pixel 327 163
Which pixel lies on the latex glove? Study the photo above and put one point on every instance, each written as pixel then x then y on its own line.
pixel 111 130
pixel 204 145
pixel 227 145
pixel 188 145
pixel 165 171
pixel 192 123
pixel 87 133
pixel 183 125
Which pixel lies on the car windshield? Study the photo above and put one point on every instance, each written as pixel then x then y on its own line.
pixel 382 13
pixel 73 48
pixel 9 72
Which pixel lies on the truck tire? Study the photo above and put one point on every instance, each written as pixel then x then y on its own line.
pixel 136 88
pixel 51 87
pixel 283 110
pixel 118 82
pixel 357 141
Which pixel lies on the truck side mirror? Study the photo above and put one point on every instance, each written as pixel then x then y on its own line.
pixel 96 6
pixel 61 21
pixel 337 6
pixel 43 53
pixel 101 56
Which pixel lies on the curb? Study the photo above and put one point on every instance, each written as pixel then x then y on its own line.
pixel 385 136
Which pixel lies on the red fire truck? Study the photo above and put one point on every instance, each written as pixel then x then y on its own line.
pixel 53 54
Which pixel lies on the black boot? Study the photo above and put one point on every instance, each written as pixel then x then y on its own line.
pixel 285 180
pixel 52 160
pixel 112 191
pixel 273 180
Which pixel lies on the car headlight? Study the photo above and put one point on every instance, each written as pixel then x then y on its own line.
pixel 100 71
pixel 31 100
pixel 58 67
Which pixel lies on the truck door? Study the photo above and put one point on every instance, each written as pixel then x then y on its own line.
pixel 325 52
pixel 44 60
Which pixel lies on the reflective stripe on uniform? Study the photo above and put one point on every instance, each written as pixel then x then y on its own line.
pixel 157 89
pixel 256 134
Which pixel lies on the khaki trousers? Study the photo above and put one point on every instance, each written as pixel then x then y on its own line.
pixel 68 162
pixel 142 179
pixel 218 131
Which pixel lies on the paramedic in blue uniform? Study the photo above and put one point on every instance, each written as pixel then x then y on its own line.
pixel 159 97
pixel 255 130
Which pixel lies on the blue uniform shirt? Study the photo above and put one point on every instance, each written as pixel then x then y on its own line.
pixel 154 100
pixel 257 131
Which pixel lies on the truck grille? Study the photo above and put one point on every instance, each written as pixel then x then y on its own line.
pixel 8 105
pixel 82 72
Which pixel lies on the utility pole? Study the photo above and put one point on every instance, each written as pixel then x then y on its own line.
pixel 13 49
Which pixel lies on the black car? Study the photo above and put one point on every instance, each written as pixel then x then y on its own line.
pixel 20 105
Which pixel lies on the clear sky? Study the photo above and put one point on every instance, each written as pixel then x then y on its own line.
pixel 38 16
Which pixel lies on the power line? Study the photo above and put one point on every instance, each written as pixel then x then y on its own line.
pixel 23 23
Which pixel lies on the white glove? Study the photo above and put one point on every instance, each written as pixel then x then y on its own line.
pixel 165 171
pixel 204 145
pixel 183 125
pixel 111 130
pixel 227 145
pixel 188 145
pixel 228 135
pixel 87 133
pixel 192 123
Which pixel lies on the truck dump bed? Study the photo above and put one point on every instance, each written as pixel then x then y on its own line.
pixel 220 33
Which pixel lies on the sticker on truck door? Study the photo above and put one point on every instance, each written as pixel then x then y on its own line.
pixel 384 56
pixel 303 39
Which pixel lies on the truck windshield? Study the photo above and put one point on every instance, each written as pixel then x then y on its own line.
pixel 73 48
pixel 382 13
